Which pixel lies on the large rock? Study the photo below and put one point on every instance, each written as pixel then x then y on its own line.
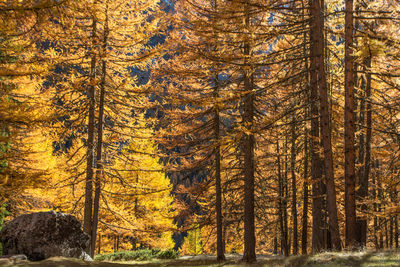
pixel 45 234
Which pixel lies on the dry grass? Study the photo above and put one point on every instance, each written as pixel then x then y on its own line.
pixel 327 259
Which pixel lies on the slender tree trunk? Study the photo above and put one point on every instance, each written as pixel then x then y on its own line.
pixel 380 193
pixel 248 118
pixel 304 232
pixel 391 222
pixel 364 186
pixel 375 208
pixel 360 194
pixel 218 192
pixel 217 154
pixel 249 232
pixel 99 246
pixel 286 196
pixel 325 124
pixel 117 243
pixel 88 209
pixel 99 149
pixel 294 186
pixel 396 231
pixel 281 196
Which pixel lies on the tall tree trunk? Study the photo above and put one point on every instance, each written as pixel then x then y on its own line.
pixel 316 163
pixel 248 146
pixel 304 232
pixel 99 149
pixel 349 153
pixel 217 154
pixel 362 191
pixel 367 161
pixel 88 209
pixel 294 186
pixel 325 125
pixel 218 192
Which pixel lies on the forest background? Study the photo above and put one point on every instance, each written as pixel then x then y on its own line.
pixel 246 126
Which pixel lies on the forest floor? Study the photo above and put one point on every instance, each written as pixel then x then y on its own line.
pixel 362 258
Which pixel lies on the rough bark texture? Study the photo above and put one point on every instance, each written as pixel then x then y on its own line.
pixel 316 163
pixel 248 148
pixel 45 234
pixel 325 125
pixel 349 153
pixel 249 229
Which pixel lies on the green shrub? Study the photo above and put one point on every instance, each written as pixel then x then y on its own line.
pixel 167 254
pixel 138 255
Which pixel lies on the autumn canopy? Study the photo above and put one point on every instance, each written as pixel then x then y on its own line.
pixel 204 126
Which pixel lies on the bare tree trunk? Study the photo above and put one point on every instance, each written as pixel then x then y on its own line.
pixel 367 161
pixel 375 208
pixel 248 146
pixel 218 192
pixel 99 149
pixel 325 125
pixel 294 186
pixel 380 193
pixel 396 231
pixel 349 172
pixel 316 163
pixel 391 222
pixel 217 154
pixel 99 246
pixel 304 232
pixel 88 209
pixel 362 191
pixel 286 196
pixel 281 196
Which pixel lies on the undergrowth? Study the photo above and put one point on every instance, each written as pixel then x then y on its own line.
pixel 138 255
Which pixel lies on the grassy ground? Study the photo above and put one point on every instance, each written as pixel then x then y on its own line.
pixel 362 259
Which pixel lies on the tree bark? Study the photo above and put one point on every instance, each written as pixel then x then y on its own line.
pixel 99 148
pixel 325 125
pixel 349 171
pixel 88 209
pixel 304 232
pixel 217 154
pixel 218 192
pixel 248 147
pixel 364 184
pixel 281 211
pixel 294 186
pixel 316 163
